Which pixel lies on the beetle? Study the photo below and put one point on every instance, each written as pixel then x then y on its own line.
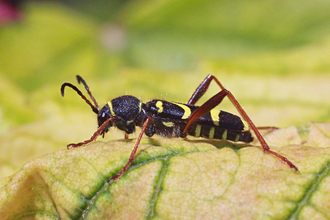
pixel 173 119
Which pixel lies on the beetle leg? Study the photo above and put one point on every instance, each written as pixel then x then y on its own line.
pixel 133 154
pixel 94 136
pixel 216 100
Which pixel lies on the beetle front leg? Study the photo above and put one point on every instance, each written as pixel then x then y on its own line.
pixel 133 154
pixel 97 133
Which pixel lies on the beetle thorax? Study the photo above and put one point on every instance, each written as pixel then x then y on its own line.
pixel 127 107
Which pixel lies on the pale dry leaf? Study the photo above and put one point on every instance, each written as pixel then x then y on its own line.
pixel 173 179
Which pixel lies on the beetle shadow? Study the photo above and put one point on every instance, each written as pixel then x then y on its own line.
pixel 222 143
pixel 216 143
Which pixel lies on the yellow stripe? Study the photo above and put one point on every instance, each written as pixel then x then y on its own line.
pixel 211 133
pixel 237 138
pixel 140 106
pixel 159 105
pixel 224 135
pixel 215 116
pixel 198 130
pixel 186 109
pixel 111 109
pixel 246 126
pixel 168 123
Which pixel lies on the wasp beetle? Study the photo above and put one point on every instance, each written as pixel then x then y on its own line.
pixel 173 119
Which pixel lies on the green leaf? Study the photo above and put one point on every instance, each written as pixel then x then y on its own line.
pixel 274 61
pixel 174 179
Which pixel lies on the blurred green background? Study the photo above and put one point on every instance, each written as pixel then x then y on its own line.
pixel 272 55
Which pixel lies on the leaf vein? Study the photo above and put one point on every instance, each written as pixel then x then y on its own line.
pixel 305 200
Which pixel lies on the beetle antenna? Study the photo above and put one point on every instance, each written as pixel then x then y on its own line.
pixel 95 109
pixel 81 80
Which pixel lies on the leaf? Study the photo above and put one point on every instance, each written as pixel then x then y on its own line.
pixel 274 62
pixel 235 36
pixel 53 43
pixel 175 179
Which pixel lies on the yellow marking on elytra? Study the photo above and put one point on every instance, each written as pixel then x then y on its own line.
pixel 168 123
pixel 159 105
pixel 198 130
pixel 246 126
pixel 111 109
pixel 224 135
pixel 186 109
pixel 211 133
pixel 215 116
